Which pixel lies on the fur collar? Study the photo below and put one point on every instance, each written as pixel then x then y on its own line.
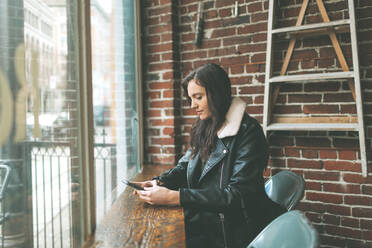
pixel 234 117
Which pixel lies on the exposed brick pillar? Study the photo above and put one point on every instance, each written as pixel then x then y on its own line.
pixel 161 82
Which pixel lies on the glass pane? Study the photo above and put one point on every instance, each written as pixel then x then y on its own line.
pixel 114 98
pixel 39 145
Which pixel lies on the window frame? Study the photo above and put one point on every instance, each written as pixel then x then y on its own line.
pixel 86 109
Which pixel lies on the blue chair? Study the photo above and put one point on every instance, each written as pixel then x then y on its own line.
pixel 290 230
pixel 285 188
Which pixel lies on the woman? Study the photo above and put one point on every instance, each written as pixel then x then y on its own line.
pixel 219 181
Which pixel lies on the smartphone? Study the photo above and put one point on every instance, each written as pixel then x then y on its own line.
pixel 132 184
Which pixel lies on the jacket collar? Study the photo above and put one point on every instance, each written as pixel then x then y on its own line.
pixel 234 117
pixel 214 158
pixel 230 127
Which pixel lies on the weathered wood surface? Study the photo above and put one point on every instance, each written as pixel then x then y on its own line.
pixel 133 223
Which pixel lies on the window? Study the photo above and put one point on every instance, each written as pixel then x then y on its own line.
pixel 114 98
pixel 41 143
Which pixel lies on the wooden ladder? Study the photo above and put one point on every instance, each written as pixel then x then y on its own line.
pixel 272 84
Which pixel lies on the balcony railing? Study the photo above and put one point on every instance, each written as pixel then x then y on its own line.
pixel 53 188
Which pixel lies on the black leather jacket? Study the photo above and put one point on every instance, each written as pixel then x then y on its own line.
pixel 225 205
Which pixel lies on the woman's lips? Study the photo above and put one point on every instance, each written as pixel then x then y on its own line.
pixel 199 112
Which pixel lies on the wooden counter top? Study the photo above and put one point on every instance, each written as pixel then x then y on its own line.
pixel 133 223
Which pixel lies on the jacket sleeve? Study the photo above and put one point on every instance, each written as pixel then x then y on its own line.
pixel 176 177
pixel 249 157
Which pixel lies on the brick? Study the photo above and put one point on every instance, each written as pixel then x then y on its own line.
pixel 323 197
pixel 280 141
pixel 160 29
pixel 331 219
pixel 162 141
pixel 327 154
pixel 161 85
pixel 258 57
pixel 235 60
pixel 153 113
pixel 320 109
pixel 233 40
pixel 168 131
pixel 166 122
pixel 313 186
pixel 308 164
pixel 160 47
pixel 258 100
pixel 314 217
pixel 251 90
pixel 240 80
pixel 309 154
pixel 160 10
pixel 358 200
pixel 194 55
pixel 366 224
pixel 346 143
pixel 350 222
pixel 217 33
pixel 292 152
pixel 254 109
pixel 313 141
pixel 307 64
pixel 153 95
pixel 322 175
pixel 311 207
pixel 167 56
pixel 343 231
pixel 339 97
pixel 341 188
pixel 356 178
pixel 338 209
pixel 362 212
pixel 225 12
pixel 168 94
pixel 252 28
pixel 304 98
pixel 287 109
pixel 342 166
pixel 314 87
pixel 367 189
pixel 255 7
pixel 277 163
pixel 259 37
pixel 347 155
pixel 257 17
pixel 348 109
pixel 248 48
pixel 161 66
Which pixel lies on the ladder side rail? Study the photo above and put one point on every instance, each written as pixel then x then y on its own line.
pixel 358 92
pixel 268 69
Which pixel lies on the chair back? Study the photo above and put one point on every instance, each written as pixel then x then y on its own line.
pixel 285 188
pixel 290 230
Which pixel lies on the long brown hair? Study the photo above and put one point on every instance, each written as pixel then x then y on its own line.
pixel 217 85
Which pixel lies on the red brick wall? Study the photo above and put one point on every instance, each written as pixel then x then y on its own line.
pixel 338 200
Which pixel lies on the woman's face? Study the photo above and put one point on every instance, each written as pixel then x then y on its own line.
pixel 199 100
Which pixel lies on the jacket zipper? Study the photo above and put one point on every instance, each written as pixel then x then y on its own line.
pixel 221 175
pixel 222 216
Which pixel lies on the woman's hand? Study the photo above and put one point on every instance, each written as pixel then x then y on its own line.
pixel 157 195
pixel 143 184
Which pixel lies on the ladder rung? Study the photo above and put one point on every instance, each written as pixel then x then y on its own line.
pixel 312 77
pixel 311 26
pixel 314 126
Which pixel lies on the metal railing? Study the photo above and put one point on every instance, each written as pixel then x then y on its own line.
pixel 52 187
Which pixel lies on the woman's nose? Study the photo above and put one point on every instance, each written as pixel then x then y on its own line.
pixel 193 105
